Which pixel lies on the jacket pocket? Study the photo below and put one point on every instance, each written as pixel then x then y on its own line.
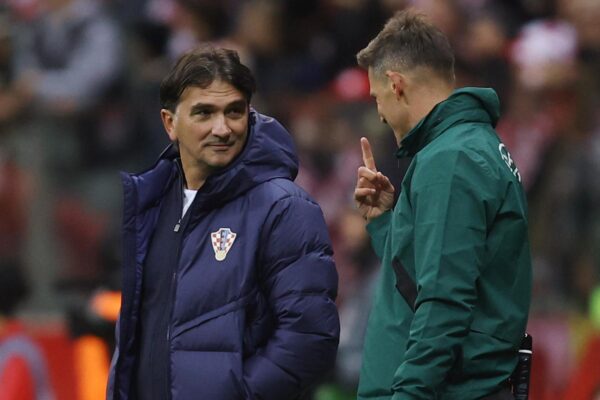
pixel 259 325
pixel 239 386
pixel 217 312
pixel 405 284
pixel 478 327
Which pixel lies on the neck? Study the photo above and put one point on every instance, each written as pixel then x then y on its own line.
pixel 193 180
pixel 426 99
pixel 195 175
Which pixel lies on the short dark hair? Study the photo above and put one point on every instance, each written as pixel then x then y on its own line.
pixel 407 41
pixel 202 66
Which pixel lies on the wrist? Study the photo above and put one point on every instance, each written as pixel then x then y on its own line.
pixel 374 219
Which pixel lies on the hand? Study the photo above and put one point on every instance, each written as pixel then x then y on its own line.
pixel 374 193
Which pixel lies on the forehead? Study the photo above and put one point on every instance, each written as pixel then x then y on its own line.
pixel 217 93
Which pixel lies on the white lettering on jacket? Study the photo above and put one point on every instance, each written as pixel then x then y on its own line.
pixel 509 161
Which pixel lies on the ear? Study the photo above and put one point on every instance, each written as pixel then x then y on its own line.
pixel 168 120
pixel 397 82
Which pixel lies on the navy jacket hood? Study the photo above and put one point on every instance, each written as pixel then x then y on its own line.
pixel 269 153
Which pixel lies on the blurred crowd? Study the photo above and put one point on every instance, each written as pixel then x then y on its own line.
pixel 79 84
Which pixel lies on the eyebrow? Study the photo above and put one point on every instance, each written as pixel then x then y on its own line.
pixel 211 107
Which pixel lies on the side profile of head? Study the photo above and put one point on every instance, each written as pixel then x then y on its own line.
pixel 205 102
pixel 410 65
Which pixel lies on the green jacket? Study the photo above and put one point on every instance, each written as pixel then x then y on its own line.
pixel 459 230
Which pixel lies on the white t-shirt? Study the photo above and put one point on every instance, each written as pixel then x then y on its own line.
pixel 188 198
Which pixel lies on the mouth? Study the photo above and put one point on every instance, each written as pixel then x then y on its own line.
pixel 220 146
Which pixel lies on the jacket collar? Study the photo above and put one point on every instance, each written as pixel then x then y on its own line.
pixel 463 105
pixel 269 153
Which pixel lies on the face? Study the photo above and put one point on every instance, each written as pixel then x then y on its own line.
pixel 210 126
pixel 389 106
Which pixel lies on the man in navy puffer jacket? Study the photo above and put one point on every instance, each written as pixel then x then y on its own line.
pixel 228 281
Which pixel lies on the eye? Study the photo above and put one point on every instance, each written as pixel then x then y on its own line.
pixel 202 113
pixel 236 112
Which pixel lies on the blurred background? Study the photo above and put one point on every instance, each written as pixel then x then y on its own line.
pixel 79 86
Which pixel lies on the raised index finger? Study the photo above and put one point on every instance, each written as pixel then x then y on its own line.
pixel 367 154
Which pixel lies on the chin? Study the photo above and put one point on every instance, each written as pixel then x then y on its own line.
pixel 218 164
pixel 221 161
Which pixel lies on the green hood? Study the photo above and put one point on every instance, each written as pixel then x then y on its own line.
pixel 469 104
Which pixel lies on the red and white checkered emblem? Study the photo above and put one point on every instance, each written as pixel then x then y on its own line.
pixel 222 240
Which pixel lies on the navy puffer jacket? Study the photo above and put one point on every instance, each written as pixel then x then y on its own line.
pixel 261 323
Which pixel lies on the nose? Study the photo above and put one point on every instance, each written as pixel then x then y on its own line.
pixel 220 127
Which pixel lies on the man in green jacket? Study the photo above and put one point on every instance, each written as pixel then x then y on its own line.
pixel 452 304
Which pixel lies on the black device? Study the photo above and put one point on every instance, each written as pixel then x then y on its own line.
pixel 520 376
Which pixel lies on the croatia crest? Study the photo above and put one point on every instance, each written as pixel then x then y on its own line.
pixel 222 240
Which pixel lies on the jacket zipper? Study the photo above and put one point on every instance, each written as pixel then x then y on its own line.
pixel 179 229
pixel 173 289
pixel 168 338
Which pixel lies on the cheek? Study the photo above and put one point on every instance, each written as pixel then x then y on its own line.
pixel 244 122
pixel 240 127
pixel 194 131
pixel 387 111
